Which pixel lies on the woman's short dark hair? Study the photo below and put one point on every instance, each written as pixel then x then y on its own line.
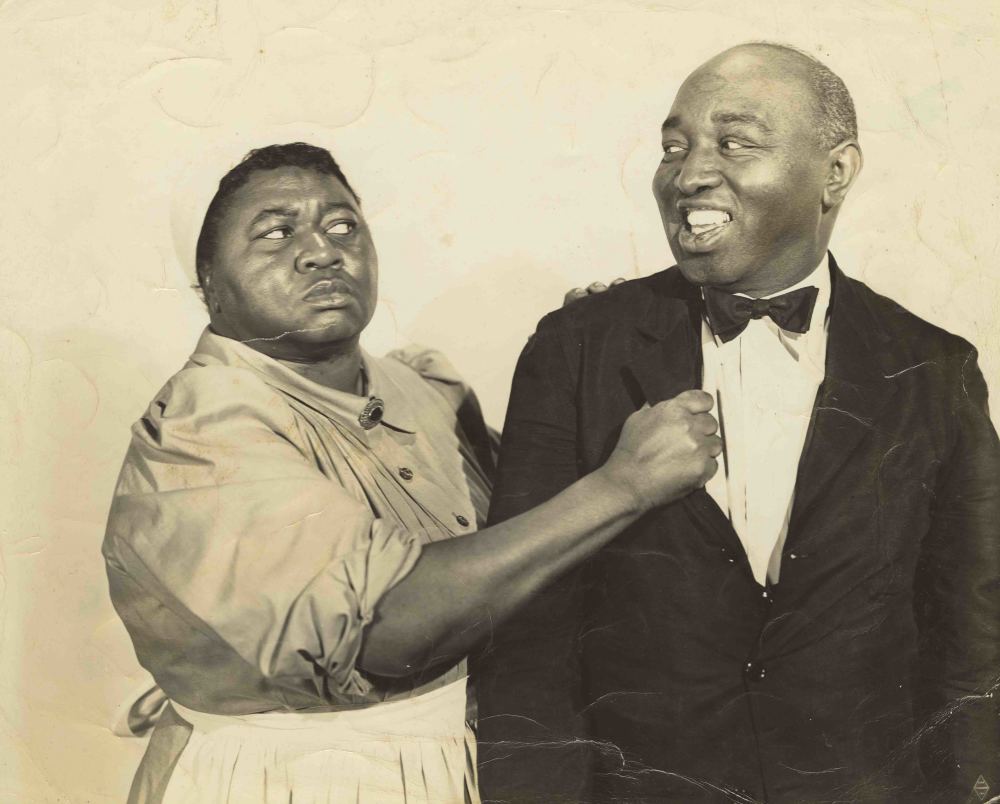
pixel 293 154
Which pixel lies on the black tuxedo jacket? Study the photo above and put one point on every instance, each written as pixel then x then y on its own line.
pixel 660 671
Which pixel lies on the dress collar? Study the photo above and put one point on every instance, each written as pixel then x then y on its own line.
pixel 345 407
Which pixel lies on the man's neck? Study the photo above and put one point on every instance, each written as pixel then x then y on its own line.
pixel 805 280
pixel 769 286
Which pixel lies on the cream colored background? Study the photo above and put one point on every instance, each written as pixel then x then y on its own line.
pixel 504 152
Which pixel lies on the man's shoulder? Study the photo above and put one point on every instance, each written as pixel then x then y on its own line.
pixel 905 330
pixel 621 305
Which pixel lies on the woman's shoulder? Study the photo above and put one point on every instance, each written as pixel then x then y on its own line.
pixel 432 369
pixel 421 366
pixel 204 396
pixel 431 364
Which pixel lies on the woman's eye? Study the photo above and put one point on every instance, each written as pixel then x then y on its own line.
pixel 340 227
pixel 277 234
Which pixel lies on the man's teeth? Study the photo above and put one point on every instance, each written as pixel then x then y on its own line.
pixel 701 219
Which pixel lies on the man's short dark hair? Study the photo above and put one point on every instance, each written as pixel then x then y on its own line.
pixel 836 119
pixel 293 154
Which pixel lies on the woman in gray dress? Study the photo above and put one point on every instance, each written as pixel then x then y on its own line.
pixel 283 542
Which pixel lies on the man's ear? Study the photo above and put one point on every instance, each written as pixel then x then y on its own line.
pixel 844 162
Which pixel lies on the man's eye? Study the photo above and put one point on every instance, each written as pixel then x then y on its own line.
pixel 340 227
pixel 672 149
pixel 732 145
pixel 277 234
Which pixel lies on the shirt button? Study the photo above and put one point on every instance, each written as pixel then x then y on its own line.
pixel 406 474
pixel 461 520
pixel 754 671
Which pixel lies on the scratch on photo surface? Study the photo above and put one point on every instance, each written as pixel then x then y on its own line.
pixel 859 419
pixel 909 368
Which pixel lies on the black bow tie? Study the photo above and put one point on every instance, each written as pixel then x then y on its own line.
pixel 728 315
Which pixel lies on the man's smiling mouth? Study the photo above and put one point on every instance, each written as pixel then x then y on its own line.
pixel 702 228
pixel 704 221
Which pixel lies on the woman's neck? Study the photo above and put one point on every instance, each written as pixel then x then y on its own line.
pixel 342 372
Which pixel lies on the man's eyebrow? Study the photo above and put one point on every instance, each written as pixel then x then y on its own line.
pixel 671 122
pixel 721 118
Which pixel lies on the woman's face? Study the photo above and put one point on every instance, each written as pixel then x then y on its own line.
pixel 294 274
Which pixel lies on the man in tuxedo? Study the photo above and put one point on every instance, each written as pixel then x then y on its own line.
pixel 821 622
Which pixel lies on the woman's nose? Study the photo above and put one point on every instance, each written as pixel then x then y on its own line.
pixel 318 253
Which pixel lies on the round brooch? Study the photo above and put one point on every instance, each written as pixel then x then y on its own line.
pixel 372 414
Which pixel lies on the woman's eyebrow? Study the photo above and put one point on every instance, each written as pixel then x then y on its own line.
pixel 291 212
pixel 274 212
pixel 338 206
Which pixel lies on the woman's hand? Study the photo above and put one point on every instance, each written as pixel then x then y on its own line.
pixel 592 289
pixel 666 451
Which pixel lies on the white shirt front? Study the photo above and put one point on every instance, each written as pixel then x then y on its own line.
pixel 764 382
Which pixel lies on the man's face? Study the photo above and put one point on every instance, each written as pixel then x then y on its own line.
pixel 740 186
pixel 294 273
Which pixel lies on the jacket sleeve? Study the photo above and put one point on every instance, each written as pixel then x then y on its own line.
pixel 532 735
pixel 958 602
pixel 235 563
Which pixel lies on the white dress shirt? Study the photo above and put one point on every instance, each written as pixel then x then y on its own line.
pixel 764 382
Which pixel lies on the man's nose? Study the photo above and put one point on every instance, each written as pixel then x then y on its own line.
pixel 699 171
pixel 317 253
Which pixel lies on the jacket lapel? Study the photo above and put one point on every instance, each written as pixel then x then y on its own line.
pixel 850 400
pixel 665 351
pixel 666 360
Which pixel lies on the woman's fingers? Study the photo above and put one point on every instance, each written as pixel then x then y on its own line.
pixel 592 289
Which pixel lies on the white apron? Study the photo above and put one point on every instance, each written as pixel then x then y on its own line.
pixel 414 751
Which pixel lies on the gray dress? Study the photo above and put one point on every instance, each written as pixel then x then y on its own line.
pixel 254 528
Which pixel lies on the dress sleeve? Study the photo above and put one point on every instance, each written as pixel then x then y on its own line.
pixel 233 560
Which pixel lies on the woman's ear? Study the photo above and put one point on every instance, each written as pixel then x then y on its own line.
pixel 205 291
pixel 845 163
